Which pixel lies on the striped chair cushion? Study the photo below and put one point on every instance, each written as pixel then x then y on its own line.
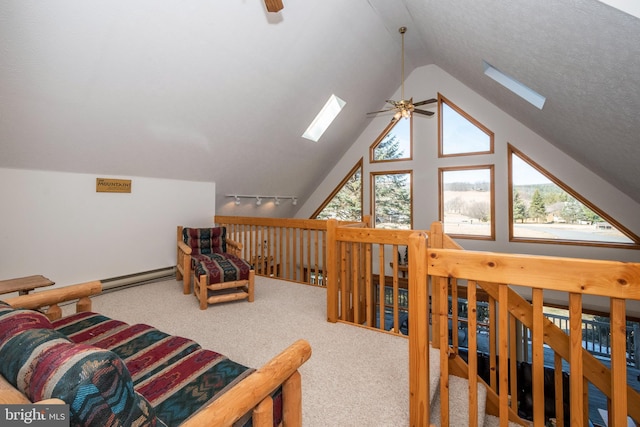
pixel 221 267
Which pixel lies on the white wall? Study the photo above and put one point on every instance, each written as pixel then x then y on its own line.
pixel 55 224
pixel 426 82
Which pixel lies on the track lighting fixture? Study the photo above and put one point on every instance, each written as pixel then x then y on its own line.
pixel 277 200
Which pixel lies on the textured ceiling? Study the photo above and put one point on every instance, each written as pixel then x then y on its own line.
pixel 222 91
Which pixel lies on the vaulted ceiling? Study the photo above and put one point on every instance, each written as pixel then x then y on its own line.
pixel 221 91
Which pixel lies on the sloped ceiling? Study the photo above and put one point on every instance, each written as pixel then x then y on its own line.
pixel 221 91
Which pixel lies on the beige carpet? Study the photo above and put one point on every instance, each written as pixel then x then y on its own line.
pixel 355 377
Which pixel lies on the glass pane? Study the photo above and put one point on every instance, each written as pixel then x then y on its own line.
pixel 392 200
pixel 543 210
pixel 346 204
pixel 459 135
pixel 396 144
pixel 466 201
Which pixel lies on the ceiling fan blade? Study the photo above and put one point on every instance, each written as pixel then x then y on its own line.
pixel 274 5
pixel 428 101
pixel 426 113
pixel 381 111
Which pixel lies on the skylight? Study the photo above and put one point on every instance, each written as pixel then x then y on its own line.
pixel 632 7
pixel 514 85
pixel 324 118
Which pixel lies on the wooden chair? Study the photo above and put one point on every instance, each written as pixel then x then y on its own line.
pixel 219 273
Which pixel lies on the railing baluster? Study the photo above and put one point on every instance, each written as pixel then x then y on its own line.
pixel 472 340
pixel 618 362
pixel 537 370
pixel 503 351
pixel 454 314
pixel 513 362
pixel 493 382
pixel 559 388
pixel 371 306
pixel 575 359
pixel 355 280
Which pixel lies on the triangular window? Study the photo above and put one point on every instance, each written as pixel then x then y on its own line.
pixel 345 202
pixel 394 143
pixel 544 209
pixel 460 134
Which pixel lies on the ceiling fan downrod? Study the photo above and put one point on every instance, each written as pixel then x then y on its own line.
pixel 402 30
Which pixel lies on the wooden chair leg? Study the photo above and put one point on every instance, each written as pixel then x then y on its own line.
pixel 203 292
pixel 252 275
pixel 187 276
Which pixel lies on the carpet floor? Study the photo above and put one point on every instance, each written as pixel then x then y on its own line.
pixel 355 377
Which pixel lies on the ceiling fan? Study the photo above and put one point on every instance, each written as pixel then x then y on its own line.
pixel 274 5
pixel 405 107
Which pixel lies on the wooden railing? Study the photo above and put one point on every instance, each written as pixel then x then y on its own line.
pixel 366 282
pixel 289 249
pixel 361 263
pixel 447 271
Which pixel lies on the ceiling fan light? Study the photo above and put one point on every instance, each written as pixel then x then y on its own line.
pixel 406 114
pixel 397 115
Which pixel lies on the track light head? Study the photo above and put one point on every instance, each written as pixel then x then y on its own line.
pixel 237 202
pixel 258 201
pixel 294 201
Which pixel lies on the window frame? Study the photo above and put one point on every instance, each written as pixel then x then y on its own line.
pixel 372 192
pixel 444 100
pixel 381 137
pixel 511 151
pixel 336 190
pixel 492 198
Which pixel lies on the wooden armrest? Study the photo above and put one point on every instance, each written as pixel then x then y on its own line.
pixel 234 244
pixel 184 248
pixel 55 296
pixel 10 395
pixel 245 395
pixel 52 401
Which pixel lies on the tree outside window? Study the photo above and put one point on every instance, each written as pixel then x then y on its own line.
pixel 392 201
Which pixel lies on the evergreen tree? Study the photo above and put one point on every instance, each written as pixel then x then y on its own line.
pixel 537 209
pixel 346 204
pixel 388 148
pixel 519 208
pixel 393 199
pixel 572 211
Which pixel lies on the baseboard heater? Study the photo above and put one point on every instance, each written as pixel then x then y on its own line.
pixel 137 278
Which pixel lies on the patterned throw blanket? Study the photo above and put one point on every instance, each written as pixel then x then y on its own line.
pixel 174 374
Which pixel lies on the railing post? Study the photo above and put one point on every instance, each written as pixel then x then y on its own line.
pixel 332 272
pixel 418 331
pixel 436 240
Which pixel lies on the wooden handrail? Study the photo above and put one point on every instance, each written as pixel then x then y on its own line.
pixel 249 392
pixel 53 297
